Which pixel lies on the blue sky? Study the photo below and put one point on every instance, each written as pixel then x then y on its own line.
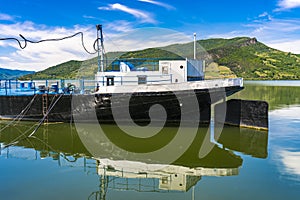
pixel 137 24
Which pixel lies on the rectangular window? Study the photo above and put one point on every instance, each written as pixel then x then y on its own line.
pixel 110 80
pixel 165 69
pixel 142 80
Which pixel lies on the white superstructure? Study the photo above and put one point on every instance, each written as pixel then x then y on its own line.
pixel 169 71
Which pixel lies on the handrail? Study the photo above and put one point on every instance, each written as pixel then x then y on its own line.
pixel 84 86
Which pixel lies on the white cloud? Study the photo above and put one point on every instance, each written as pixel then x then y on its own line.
pixel 5 17
pixel 288 113
pixel 40 56
pixel 281 34
pixel 145 17
pixel 227 35
pixel 167 6
pixel 287 46
pixel 290 160
pixel 263 14
pixel 275 28
pixel 287 4
pixel 5 59
pixel 142 38
pixel 46 54
pixel 88 17
pixel 120 26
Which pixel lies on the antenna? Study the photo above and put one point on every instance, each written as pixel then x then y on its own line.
pixel 100 56
pixel 195 46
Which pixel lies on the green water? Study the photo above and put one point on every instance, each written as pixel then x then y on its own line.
pixel 64 161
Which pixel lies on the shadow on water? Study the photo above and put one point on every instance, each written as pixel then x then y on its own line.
pixel 118 171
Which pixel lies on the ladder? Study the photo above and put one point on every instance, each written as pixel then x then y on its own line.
pixel 45 106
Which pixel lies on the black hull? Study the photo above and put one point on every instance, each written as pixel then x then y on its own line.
pixel 91 108
pixel 30 108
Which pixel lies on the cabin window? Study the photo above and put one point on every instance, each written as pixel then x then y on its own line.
pixel 181 67
pixel 165 70
pixel 110 81
pixel 142 80
pixel 164 180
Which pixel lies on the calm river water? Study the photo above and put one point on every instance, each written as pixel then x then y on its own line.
pixel 64 161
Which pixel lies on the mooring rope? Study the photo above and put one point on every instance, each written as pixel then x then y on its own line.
pixel 21 115
pixel 17 140
pixel 48 146
pixel 46 115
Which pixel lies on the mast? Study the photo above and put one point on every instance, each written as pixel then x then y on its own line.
pixel 195 46
pixel 100 48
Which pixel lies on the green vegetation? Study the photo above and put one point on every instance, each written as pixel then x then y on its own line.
pixel 66 70
pixel 237 57
pixel 213 71
pixel 250 59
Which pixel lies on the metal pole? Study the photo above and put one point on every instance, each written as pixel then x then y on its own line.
pixel 195 46
pixel 102 50
pixel 100 56
pixel 6 87
pixel 98 47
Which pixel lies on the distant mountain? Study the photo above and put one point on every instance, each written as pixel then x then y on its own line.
pixel 13 74
pixel 71 70
pixel 67 70
pixel 241 56
pixel 246 57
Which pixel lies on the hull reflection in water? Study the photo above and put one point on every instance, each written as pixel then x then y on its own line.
pixel 170 177
pixel 248 141
pixel 117 170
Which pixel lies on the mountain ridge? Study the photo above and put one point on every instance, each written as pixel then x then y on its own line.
pixel 13 73
pixel 236 57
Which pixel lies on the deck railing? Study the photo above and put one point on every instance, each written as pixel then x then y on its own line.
pixel 86 86
pixel 73 86
pixel 133 80
pixel 17 87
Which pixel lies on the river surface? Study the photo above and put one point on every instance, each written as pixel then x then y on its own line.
pixel 75 162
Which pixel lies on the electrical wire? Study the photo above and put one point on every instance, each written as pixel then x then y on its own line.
pixel 26 41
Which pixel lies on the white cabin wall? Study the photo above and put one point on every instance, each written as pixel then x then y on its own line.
pixel 176 68
pixel 170 71
pixel 131 78
pixel 173 182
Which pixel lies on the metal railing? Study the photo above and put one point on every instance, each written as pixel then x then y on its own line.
pixel 133 80
pixel 73 86
pixel 86 86
pixel 17 87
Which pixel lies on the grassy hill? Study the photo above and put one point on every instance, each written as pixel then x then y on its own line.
pixel 245 57
pixel 242 56
pixel 251 59
pixel 67 70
